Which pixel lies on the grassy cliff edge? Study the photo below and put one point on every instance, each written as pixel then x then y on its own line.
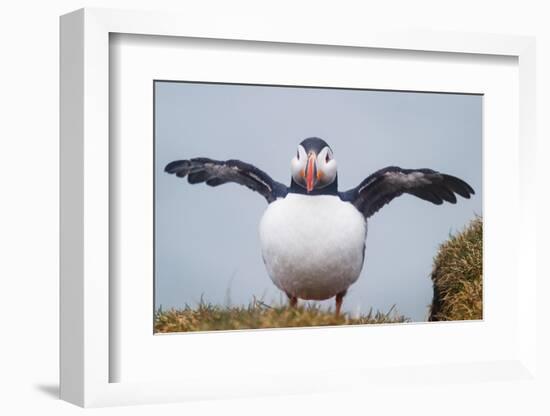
pixel 457 276
pixel 208 317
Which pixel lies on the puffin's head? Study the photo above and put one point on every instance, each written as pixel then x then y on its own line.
pixel 313 167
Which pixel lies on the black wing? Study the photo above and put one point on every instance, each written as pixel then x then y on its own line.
pixel 386 184
pixel 216 172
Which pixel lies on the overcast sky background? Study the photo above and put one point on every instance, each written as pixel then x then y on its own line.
pixel 207 241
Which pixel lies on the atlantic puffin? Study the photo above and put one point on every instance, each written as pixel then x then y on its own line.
pixel 312 235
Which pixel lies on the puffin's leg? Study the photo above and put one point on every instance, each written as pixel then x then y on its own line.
pixel 292 300
pixel 339 300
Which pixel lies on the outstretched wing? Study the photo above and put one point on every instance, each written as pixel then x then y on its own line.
pixel 216 172
pixel 386 184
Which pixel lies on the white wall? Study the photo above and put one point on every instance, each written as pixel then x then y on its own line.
pixel 29 208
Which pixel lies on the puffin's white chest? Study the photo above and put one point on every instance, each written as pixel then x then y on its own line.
pixel 313 246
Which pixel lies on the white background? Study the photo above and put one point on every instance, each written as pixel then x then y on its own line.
pixel 29 208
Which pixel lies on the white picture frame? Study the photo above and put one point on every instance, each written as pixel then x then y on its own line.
pixel 86 356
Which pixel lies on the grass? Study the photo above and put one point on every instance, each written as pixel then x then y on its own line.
pixel 457 276
pixel 208 317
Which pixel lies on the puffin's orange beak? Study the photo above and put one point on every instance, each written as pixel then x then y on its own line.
pixel 311 171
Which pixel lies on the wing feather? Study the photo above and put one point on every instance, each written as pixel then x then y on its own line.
pixel 216 172
pixel 383 186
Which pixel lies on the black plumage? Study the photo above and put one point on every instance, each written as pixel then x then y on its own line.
pixel 377 190
pixel 216 172
pixel 384 185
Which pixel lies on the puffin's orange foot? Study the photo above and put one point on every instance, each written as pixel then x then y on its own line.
pixel 293 301
pixel 339 300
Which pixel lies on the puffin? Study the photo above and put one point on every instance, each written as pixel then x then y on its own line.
pixel 312 235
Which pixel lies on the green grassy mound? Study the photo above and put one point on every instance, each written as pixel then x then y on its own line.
pixel 457 276
pixel 207 317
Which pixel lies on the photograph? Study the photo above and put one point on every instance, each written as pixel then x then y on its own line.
pixel 283 206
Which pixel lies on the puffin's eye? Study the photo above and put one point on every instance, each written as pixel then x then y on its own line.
pixel 327 158
pixel 298 154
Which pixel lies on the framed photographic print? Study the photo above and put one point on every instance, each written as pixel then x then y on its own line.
pixel 314 252
pixel 292 198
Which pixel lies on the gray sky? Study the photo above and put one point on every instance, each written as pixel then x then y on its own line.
pixel 207 238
